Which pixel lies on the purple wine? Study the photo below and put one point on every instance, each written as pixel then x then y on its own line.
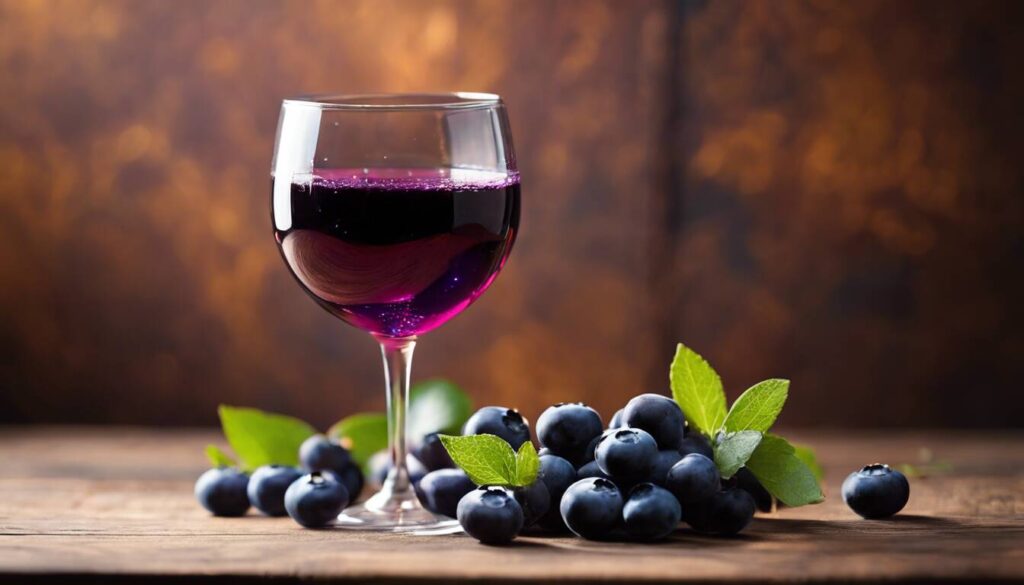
pixel 398 252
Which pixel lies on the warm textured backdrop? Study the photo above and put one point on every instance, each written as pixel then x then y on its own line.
pixel 829 191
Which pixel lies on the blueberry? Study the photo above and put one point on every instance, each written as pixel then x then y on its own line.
pixel 627 453
pixel 315 500
pixel 442 490
pixel 352 478
pixel 534 500
pixel 568 429
pixel 696 443
pixel 658 415
pixel 745 480
pixel 876 491
pixel 557 475
pixel 591 470
pixel 267 486
pixel 591 507
pixel 222 491
pixel 694 479
pixel 506 423
pixel 380 465
pixel 318 453
pixel 726 513
pixel 664 461
pixel 651 512
pixel 432 453
pixel 490 515
pixel 616 421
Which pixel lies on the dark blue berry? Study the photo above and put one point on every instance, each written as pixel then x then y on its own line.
pixel 664 461
pixel 658 415
pixel 380 465
pixel 315 500
pixel 568 429
pixel 557 474
pixel 432 453
pixel 222 491
pixel 442 490
pixel 352 478
pixel 506 423
pixel 726 513
pixel 616 421
pixel 651 512
pixel 267 487
pixel 745 480
pixel 319 453
pixel 591 508
pixel 696 443
pixel 593 470
pixel 534 500
pixel 490 515
pixel 694 479
pixel 626 453
pixel 876 491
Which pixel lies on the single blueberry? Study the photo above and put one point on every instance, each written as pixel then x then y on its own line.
pixel 725 513
pixel 694 479
pixel 442 489
pixel 616 421
pixel 876 491
pixel 627 453
pixel 591 507
pixel 380 465
pixel 568 429
pixel 315 500
pixel 318 453
pixel 432 453
pixel 664 461
pixel 534 500
pixel 745 480
pixel 651 512
pixel 352 478
pixel 544 451
pixel 490 515
pixel 696 443
pixel 267 487
pixel 506 423
pixel 222 491
pixel 658 415
pixel 557 474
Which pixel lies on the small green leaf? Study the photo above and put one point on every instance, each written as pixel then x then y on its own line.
pixel 486 459
pixel 263 438
pixel 527 465
pixel 807 456
pixel 785 476
pixel 732 450
pixel 218 458
pixel 758 407
pixel 362 434
pixel 437 406
pixel 698 390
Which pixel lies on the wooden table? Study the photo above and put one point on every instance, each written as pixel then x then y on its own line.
pixel 112 505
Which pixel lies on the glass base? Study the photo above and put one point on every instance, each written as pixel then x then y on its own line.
pixel 394 512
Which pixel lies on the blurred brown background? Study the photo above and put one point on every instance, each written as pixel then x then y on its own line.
pixel 826 191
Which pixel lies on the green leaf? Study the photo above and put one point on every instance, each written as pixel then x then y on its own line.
pixel 527 465
pixel 218 458
pixel 732 450
pixel 807 456
pixel 263 438
pixel 362 434
pixel 486 459
pixel 758 407
pixel 783 474
pixel 437 406
pixel 698 390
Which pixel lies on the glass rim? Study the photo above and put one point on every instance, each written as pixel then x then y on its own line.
pixel 395 101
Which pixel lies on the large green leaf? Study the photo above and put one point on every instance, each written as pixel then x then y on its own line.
pixel 758 407
pixel 486 459
pixel 775 464
pixel 697 389
pixel 263 438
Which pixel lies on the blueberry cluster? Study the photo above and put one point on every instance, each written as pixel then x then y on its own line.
pixel 313 495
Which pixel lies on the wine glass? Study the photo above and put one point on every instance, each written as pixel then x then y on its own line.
pixel 394 213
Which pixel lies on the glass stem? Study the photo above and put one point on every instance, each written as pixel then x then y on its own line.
pixel 397 354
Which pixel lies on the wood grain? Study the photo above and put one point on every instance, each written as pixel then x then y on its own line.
pixel 98 503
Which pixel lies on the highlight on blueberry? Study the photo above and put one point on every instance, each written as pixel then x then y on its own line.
pixel 222 491
pixel 876 491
